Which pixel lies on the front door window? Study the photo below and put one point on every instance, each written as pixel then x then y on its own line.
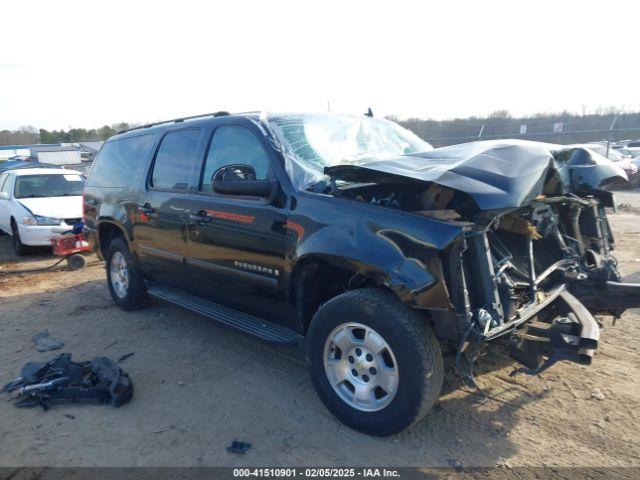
pixel 233 145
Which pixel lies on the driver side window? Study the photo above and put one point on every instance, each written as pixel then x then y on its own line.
pixel 233 145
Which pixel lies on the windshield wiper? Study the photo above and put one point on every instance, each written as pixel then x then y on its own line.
pixel 33 196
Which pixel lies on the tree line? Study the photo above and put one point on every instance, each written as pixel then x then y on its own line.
pixel 28 134
pixel 563 127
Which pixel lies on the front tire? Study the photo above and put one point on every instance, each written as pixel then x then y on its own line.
pixel 123 277
pixel 375 365
pixel 19 248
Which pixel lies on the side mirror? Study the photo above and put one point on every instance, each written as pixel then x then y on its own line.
pixel 4 196
pixel 241 180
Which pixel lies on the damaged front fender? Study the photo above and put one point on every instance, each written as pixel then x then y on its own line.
pixel 398 250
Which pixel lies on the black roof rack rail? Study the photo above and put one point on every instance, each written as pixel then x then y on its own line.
pixel 221 113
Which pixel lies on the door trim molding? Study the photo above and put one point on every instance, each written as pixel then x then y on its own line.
pixel 255 278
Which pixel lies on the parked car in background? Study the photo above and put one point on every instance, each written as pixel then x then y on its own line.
pixel 16 163
pixel 39 203
pixel 633 149
pixel 624 151
pixel 601 149
pixel 628 148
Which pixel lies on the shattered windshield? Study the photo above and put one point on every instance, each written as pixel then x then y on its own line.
pixel 312 142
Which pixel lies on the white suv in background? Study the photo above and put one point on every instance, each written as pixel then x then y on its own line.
pixel 37 204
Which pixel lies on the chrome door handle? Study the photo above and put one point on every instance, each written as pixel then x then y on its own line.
pixel 200 218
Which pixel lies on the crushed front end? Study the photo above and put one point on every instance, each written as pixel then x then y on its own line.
pixel 535 263
pixel 532 278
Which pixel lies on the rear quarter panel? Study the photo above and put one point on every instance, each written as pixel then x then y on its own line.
pixel 113 205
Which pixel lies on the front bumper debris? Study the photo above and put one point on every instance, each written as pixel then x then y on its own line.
pixel 606 296
pixel 572 334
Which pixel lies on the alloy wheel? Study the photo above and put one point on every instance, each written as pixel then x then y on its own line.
pixel 119 274
pixel 361 367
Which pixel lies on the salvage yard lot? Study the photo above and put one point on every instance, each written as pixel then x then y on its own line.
pixel 199 386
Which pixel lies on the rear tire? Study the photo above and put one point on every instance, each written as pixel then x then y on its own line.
pixel 124 278
pixel 19 248
pixel 399 342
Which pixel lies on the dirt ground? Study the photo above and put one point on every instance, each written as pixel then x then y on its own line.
pixel 199 386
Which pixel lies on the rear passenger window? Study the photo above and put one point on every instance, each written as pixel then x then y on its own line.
pixel 233 145
pixel 175 160
pixel 121 161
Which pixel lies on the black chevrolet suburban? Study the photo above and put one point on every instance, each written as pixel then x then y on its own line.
pixel 355 239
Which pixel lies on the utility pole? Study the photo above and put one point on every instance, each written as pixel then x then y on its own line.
pixel 609 137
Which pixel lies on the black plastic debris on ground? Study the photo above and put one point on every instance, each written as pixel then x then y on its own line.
pixel 45 343
pixel 125 356
pixel 60 380
pixel 239 447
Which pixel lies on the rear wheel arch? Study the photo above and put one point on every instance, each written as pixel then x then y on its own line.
pixel 107 233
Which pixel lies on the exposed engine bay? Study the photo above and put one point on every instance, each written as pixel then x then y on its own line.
pixel 530 274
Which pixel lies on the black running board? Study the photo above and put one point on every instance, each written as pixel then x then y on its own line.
pixel 244 322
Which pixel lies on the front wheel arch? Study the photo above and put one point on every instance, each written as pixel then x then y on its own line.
pixel 316 279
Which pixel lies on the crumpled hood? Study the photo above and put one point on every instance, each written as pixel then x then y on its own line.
pixel 56 207
pixel 496 173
